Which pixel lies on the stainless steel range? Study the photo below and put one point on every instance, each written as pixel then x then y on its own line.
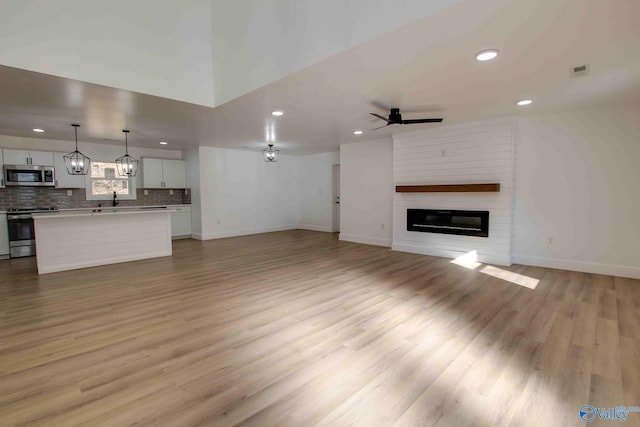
pixel 22 238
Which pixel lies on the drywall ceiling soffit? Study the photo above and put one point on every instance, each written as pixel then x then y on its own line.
pixel 117 43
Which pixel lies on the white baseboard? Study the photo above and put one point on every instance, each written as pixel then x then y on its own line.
pixel 235 233
pixel 196 236
pixel 311 227
pixel 186 236
pixel 445 253
pixel 585 267
pixel 365 240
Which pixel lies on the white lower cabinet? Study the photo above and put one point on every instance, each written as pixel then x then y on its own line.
pixel 181 222
pixel 4 236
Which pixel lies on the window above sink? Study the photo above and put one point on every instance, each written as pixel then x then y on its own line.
pixel 103 180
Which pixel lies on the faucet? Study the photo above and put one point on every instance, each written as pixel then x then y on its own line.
pixel 115 201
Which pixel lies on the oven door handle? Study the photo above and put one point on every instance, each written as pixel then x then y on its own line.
pixel 10 217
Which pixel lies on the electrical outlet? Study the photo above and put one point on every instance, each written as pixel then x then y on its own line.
pixel 69 192
pixel 146 192
pixel 171 192
pixel 551 240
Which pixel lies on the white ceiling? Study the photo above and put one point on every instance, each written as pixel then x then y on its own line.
pixel 426 68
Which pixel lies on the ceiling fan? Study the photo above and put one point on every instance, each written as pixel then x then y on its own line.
pixel 395 118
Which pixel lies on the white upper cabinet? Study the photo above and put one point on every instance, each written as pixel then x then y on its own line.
pixel 162 173
pixel 41 158
pixel 63 178
pixel 174 173
pixel 23 157
pixel 16 157
pixel 152 173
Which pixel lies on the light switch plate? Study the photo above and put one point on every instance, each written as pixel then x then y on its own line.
pixel 69 192
pixel 171 192
pixel 146 192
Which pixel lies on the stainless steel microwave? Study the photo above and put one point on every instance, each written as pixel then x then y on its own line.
pixel 29 175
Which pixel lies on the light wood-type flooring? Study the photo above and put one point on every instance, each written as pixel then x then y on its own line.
pixel 298 328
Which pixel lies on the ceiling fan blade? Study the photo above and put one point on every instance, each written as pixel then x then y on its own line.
pixel 409 122
pixel 379 105
pixel 380 117
pixel 383 126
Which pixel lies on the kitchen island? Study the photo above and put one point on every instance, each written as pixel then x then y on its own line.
pixel 72 239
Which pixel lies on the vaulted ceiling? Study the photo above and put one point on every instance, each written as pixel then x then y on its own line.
pixel 427 68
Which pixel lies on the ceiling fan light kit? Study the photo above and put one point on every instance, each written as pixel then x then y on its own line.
pixel 76 162
pixel 269 154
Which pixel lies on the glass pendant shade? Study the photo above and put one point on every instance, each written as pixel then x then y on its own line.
pixel 270 155
pixel 127 165
pixel 76 162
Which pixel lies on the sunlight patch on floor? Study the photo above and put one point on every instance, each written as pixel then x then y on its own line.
pixel 510 276
pixel 468 260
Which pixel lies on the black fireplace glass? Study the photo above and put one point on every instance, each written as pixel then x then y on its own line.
pixel 466 223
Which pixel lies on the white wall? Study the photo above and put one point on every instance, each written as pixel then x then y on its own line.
pixel 315 198
pixel 366 192
pixel 242 194
pixel 256 42
pixel 577 176
pixel 160 48
pixel 471 153
pixel 192 161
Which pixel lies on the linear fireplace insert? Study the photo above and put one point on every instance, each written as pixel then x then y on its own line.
pixel 466 223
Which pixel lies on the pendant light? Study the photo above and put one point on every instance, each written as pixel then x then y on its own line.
pixel 76 162
pixel 269 154
pixel 127 165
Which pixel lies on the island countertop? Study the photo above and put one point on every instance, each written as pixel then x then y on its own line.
pixel 102 211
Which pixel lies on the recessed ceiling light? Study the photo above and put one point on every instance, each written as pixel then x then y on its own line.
pixel 357 132
pixel 487 55
pixel 523 102
pixel 277 113
pixel 38 130
pixel 163 143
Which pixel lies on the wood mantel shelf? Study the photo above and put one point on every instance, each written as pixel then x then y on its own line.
pixel 449 188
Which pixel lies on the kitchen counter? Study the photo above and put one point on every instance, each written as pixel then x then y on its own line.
pixel 65 213
pixel 79 238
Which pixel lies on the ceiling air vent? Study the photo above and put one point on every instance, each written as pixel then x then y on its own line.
pixel 580 70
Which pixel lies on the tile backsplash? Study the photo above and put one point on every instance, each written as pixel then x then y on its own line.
pixel 27 197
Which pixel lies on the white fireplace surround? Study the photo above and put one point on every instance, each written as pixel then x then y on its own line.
pixel 461 154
